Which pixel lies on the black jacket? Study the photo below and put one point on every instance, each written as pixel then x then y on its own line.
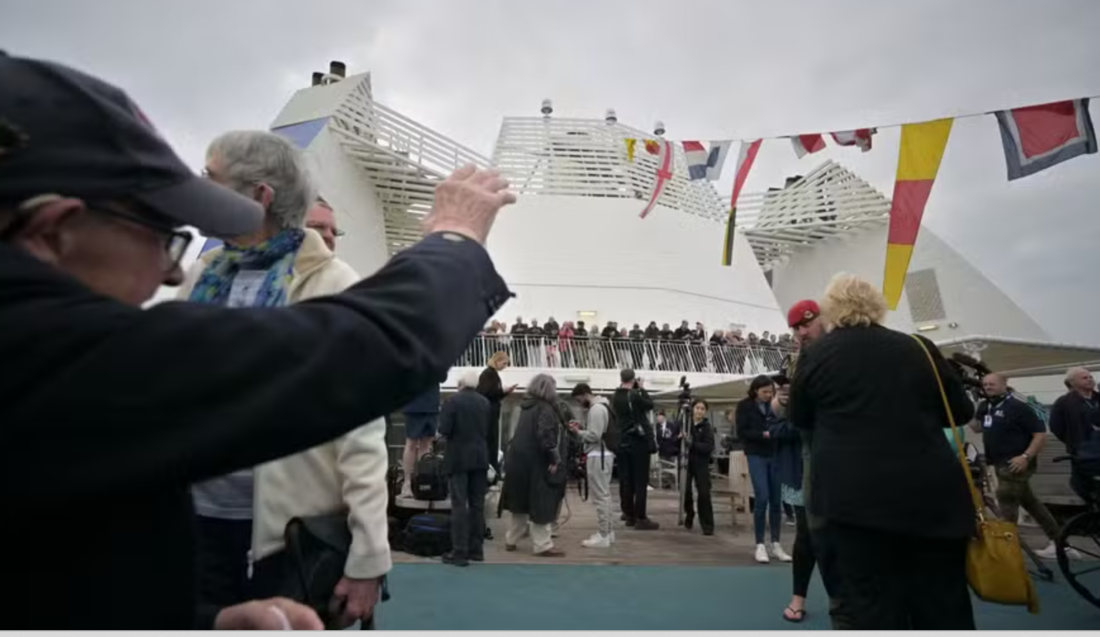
pixel 632 407
pixel 751 426
pixel 1073 421
pixel 109 413
pixel 701 442
pixel 879 458
pixel 464 423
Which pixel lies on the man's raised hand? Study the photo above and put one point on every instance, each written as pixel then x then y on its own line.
pixel 467 202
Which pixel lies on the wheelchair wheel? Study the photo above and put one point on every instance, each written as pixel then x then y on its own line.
pixel 1082 533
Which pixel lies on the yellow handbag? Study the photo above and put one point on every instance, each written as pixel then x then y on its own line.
pixel 994 561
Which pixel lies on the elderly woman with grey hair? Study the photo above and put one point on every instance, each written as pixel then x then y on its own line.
pixel 245 513
pixel 534 484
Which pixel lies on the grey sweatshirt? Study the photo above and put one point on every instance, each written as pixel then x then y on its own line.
pixel 595 425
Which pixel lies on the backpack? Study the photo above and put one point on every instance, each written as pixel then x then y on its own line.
pixel 428 480
pixel 610 437
pixel 428 535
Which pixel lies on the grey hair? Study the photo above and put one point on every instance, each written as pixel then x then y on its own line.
pixel 249 158
pixel 543 386
pixel 469 380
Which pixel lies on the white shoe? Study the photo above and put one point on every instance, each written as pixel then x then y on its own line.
pixel 1050 552
pixel 597 541
pixel 762 554
pixel 611 537
pixel 779 553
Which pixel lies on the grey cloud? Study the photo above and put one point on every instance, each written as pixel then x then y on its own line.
pixel 709 69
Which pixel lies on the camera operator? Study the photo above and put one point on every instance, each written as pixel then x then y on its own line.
pixel 1013 435
pixel 637 443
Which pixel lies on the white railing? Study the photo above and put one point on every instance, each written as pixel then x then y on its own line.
pixel 588 158
pixel 829 202
pixel 599 353
pixel 404 159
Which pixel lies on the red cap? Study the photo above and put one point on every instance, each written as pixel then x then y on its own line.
pixel 803 312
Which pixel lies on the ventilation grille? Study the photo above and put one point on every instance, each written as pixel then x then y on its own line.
pixel 923 293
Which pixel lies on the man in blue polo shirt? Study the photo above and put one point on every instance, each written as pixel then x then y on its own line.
pixel 1013 435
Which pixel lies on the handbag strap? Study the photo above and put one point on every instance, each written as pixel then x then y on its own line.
pixel 978 506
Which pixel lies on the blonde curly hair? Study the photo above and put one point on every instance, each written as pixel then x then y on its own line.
pixel 850 301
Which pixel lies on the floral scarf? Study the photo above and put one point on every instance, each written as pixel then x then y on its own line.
pixel 275 257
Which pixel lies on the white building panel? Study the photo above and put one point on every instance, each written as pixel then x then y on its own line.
pixel 971 303
pixel 563 255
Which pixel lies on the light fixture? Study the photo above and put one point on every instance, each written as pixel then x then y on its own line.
pixel 928 328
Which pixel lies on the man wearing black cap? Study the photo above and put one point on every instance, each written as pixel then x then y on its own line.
pixel 107 422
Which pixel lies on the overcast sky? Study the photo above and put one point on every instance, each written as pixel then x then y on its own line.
pixel 709 70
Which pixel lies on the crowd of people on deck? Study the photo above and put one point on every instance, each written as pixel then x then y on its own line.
pixel 575 345
pixel 192 437
pixel 888 532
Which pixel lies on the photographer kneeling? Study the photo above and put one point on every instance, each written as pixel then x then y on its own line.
pixel 631 403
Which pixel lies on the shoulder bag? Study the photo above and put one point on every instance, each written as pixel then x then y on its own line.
pixel 995 566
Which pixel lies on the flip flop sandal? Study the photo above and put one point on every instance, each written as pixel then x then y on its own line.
pixel 799 615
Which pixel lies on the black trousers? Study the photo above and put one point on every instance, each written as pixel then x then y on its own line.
pixel 223 547
pixel 492 439
pixel 698 473
pixel 890 581
pixel 634 480
pixel 803 559
pixel 468 513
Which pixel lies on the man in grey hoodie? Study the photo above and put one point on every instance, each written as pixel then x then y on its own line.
pixel 599 461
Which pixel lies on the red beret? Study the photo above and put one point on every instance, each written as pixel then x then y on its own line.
pixel 802 312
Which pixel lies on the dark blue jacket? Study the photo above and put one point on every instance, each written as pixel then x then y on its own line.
pixel 788 452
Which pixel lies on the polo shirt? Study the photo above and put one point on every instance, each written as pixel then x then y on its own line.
pixel 1008 425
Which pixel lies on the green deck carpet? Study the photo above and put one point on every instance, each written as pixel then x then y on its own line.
pixel 567 597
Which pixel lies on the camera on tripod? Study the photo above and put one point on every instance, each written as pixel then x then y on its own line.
pixel 685 392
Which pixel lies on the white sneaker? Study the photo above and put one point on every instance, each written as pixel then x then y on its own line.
pixel 597 541
pixel 1050 552
pixel 779 553
pixel 762 554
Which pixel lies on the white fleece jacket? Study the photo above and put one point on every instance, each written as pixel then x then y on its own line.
pixel 347 472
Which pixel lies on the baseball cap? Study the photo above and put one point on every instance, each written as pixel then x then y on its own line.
pixel 802 312
pixel 71 134
pixel 581 389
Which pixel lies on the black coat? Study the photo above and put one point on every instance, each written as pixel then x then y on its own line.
pixel 701 443
pixel 751 427
pixel 879 458
pixel 490 386
pixel 108 413
pixel 540 442
pixel 464 423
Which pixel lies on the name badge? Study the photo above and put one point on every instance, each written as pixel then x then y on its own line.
pixel 988 422
pixel 246 287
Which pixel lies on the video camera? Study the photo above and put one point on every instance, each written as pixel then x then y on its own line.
pixel 971 371
pixel 685 391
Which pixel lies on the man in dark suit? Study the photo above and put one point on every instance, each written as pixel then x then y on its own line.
pixel 463 423
pixel 93 210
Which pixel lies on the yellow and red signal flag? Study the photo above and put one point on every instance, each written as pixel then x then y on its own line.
pixel 922 147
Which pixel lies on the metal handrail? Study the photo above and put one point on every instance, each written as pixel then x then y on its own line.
pixel 600 353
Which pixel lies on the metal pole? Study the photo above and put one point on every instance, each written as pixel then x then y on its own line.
pixel 681 461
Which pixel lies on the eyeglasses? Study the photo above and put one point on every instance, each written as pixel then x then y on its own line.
pixel 176 242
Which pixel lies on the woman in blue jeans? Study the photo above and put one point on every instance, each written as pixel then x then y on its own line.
pixel 754 418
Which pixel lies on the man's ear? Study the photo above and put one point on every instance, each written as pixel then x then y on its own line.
pixel 44 234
